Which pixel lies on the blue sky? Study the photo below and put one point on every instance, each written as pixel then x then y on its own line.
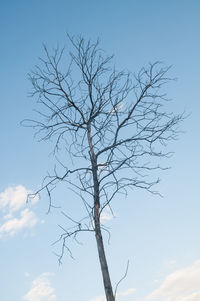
pixel 159 236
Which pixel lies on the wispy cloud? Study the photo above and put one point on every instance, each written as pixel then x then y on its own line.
pixel 41 289
pixel 27 219
pixel 14 198
pixel 117 108
pixel 181 285
pixel 106 215
pixel 128 292
pixel 15 214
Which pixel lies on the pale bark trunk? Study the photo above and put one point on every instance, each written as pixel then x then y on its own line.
pixel 97 226
pixel 104 266
pixel 99 239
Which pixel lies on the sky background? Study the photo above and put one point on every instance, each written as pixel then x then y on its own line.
pixel 159 236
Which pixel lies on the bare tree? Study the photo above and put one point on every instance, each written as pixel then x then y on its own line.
pixel 113 125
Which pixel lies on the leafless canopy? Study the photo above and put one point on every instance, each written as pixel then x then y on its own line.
pixel 113 124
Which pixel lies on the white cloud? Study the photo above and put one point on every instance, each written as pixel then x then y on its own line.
pixel 181 285
pixel 117 108
pixel 14 198
pixel 12 226
pixel 122 294
pixel 41 289
pixel 106 215
pixel 13 206
pixel 128 292
pixel 191 297
pixel 7 216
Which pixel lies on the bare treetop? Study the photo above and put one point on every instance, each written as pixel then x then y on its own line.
pixel 115 121
pixel 122 113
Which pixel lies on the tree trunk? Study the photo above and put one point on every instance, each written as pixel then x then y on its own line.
pixel 99 239
pixel 103 263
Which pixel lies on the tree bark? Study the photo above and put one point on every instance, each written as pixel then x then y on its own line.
pixel 97 225
pixel 103 263
pixel 99 239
